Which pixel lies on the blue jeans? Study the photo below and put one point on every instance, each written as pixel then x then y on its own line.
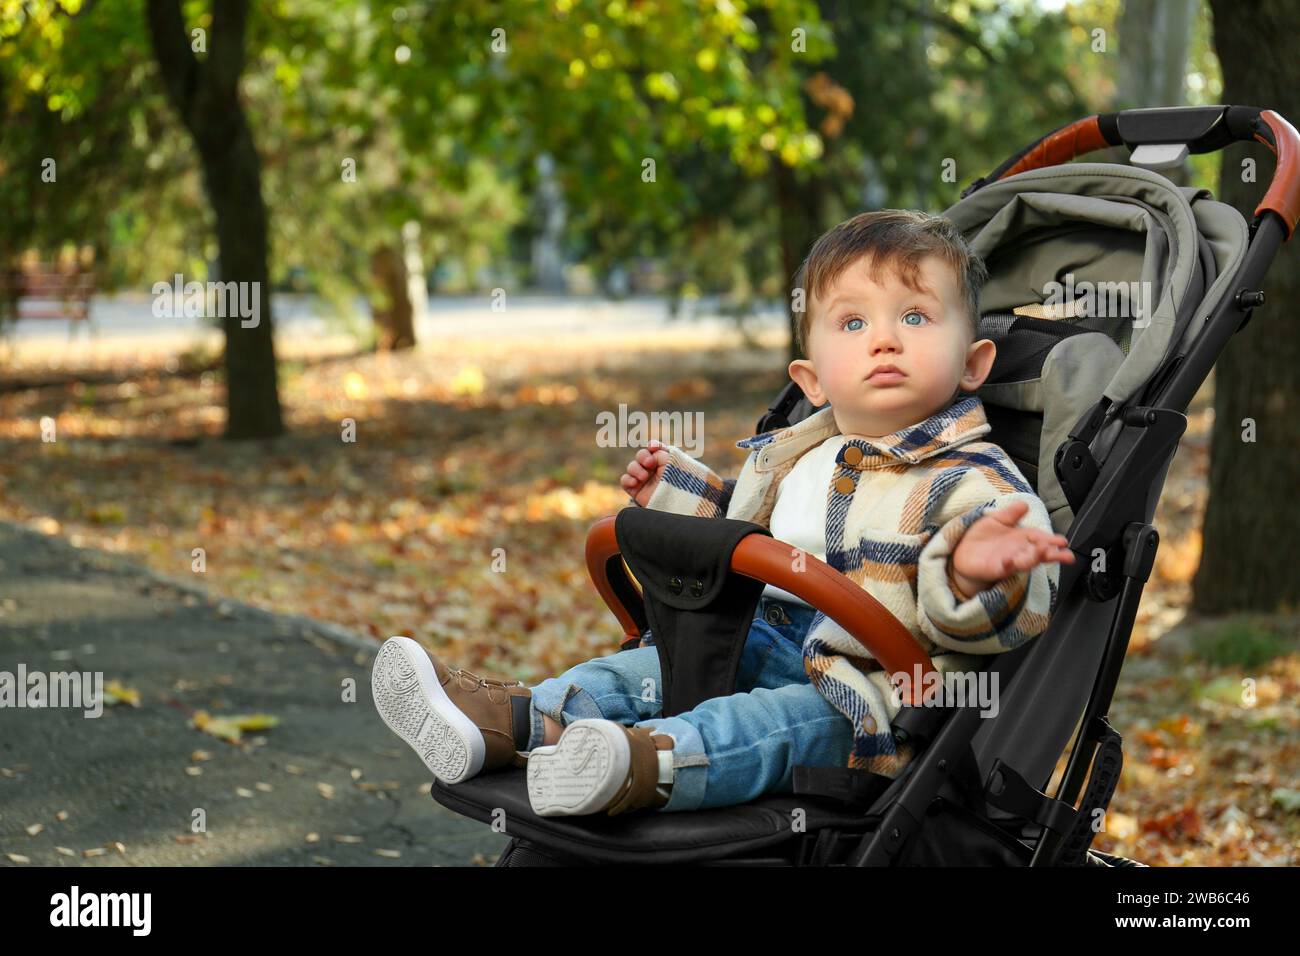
pixel 727 750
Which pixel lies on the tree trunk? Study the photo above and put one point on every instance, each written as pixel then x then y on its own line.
pixel 393 311
pixel 206 96
pixel 799 207
pixel 1155 37
pixel 1251 522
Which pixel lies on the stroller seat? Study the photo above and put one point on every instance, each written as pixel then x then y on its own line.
pixel 759 829
pixel 1090 411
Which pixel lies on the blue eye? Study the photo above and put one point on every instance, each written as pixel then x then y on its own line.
pixel 853 318
pixel 916 313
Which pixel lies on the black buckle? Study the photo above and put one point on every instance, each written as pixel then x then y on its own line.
pixel 1007 790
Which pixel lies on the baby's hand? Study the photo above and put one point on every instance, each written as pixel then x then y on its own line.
pixel 994 548
pixel 643 472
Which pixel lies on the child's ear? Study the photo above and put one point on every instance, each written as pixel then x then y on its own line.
pixel 979 362
pixel 805 376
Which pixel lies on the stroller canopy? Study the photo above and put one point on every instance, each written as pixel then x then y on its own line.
pixel 1100 275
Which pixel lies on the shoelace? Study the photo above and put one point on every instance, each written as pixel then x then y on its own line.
pixel 485 681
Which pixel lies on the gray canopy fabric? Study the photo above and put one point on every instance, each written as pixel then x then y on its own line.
pixel 1224 240
pixel 1140 260
pixel 1092 223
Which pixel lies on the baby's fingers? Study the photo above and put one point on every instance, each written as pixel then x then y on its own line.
pixel 1045 537
pixel 635 469
pixel 652 458
pixel 1010 514
pixel 1048 553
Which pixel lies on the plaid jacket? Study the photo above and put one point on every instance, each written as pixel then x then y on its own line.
pixel 914 494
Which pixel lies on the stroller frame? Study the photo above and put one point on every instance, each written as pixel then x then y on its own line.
pixel 943 809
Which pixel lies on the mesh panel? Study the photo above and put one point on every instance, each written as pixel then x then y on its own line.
pixel 1023 346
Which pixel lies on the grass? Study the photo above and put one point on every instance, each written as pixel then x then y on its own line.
pixel 1244 640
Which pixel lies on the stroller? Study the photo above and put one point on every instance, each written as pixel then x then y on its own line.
pixel 1089 404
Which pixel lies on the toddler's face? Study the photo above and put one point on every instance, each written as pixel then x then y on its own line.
pixel 859 327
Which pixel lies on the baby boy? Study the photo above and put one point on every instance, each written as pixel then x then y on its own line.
pixel 889 483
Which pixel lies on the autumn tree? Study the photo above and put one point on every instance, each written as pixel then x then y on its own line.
pixel 1251 524
pixel 205 94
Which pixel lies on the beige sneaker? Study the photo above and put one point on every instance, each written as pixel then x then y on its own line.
pixel 459 723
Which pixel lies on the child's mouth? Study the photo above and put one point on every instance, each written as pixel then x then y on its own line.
pixel 890 376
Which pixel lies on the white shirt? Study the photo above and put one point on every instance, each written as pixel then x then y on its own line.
pixel 799 515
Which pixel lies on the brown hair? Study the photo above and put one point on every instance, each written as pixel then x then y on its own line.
pixel 898 239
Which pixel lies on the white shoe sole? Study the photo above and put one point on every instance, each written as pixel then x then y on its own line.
pixel 580 773
pixel 413 704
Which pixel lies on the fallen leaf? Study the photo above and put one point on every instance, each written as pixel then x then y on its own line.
pixel 116 693
pixel 1184 822
pixel 232 728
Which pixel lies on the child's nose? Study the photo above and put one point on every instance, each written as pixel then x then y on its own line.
pixel 883 339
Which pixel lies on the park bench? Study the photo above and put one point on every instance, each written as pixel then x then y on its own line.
pixel 46 291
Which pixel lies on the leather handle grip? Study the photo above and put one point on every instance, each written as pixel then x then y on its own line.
pixel 1081 136
pixel 1283 196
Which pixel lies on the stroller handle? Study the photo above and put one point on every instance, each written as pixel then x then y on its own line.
pixel 1203 129
pixel 766 559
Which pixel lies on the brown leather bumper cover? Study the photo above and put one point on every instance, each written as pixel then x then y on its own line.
pixel 767 559
pixel 1283 196
pixel 1078 138
pixel 1084 136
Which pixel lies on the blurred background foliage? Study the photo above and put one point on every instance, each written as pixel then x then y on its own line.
pixel 766 123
